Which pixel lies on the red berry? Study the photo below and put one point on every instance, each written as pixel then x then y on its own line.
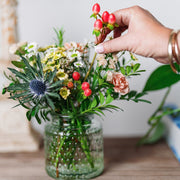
pixel 105 16
pixel 112 19
pixel 87 92
pixel 85 85
pixel 98 24
pixel 76 76
pixel 96 8
pixel 70 84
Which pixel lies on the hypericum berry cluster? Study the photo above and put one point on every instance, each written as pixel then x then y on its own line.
pixel 106 20
pixel 86 88
pixel 85 85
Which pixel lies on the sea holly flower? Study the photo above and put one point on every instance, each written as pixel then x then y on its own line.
pixel 37 87
pixel 61 75
pixel 64 92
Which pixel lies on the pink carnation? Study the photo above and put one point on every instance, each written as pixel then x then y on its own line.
pixel 120 83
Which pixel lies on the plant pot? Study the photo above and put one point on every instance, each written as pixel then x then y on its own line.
pixel 74 148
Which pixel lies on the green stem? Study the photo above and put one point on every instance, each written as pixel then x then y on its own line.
pixel 153 125
pixel 83 140
pixel 161 105
pixel 95 54
pixel 58 155
pixel 84 144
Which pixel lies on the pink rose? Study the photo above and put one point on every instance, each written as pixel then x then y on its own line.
pixel 120 83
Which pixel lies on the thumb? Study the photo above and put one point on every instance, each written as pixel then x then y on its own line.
pixel 114 45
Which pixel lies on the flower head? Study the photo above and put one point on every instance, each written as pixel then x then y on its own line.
pixel 32 48
pixel 64 92
pixel 101 59
pixel 37 87
pixel 120 83
pixel 61 75
pixel 109 76
pixel 78 64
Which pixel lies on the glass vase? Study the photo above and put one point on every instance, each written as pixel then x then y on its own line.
pixel 74 148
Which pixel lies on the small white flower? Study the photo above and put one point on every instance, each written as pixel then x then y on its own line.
pixel 74 54
pixel 79 55
pixel 51 50
pixel 29 55
pixel 32 48
pixel 78 64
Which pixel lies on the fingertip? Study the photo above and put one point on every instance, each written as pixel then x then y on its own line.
pixel 99 49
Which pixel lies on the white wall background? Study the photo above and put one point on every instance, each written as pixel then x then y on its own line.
pixel 38 17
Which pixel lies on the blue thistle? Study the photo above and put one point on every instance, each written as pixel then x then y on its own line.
pixel 37 87
pixel 34 89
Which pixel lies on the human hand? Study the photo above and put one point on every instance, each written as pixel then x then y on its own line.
pixel 146 36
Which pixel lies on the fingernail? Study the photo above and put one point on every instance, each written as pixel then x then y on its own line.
pixel 99 48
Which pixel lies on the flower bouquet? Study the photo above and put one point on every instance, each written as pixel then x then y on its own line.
pixel 60 84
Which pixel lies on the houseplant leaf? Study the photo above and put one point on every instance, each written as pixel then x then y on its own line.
pixel 161 78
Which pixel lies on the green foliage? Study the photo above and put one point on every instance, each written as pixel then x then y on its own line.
pixel 110 26
pixel 96 32
pixel 59 34
pixel 162 77
pixel 155 135
pixel 135 96
pixel 18 64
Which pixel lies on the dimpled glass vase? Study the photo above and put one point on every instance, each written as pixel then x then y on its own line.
pixel 74 148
